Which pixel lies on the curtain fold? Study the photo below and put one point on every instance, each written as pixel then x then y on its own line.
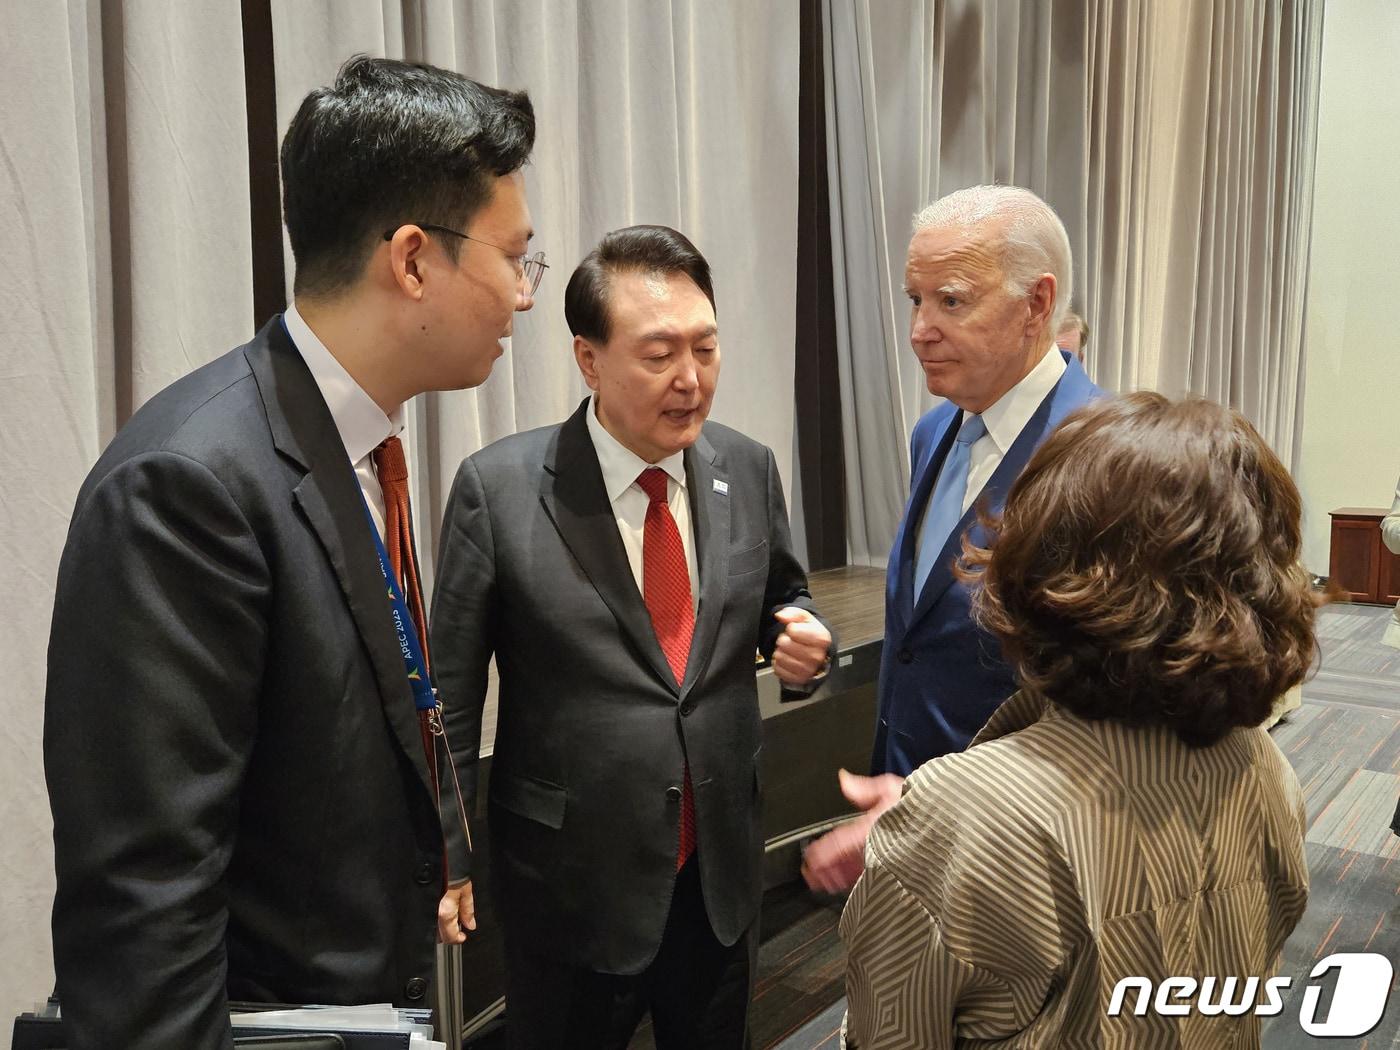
pixel 867 270
pixel 1176 141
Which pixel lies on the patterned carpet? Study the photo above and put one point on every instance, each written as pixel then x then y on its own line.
pixel 1344 744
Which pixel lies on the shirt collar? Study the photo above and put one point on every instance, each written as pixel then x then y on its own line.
pixel 1013 410
pixel 620 464
pixel 1020 711
pixel 361 422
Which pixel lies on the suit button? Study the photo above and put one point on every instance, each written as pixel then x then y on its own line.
pixel 424 875
pixel 673 793
pixel 686 708
pixel 904 656
pixel 415 989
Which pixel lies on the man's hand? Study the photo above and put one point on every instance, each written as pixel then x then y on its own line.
pixel 835 861
pixel 803 648
pixel 456 913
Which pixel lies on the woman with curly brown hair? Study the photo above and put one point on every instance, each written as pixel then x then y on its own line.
pixel 1123 815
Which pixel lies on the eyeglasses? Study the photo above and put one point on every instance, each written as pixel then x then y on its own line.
pixel 529 268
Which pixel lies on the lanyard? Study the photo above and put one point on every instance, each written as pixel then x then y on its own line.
pixel 415 666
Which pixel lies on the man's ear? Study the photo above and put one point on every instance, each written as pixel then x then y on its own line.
pixel 1041 304
pixel 586 354
pixel 406 252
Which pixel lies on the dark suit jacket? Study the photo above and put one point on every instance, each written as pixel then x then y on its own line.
pixel 941 676
pixel 593 730
pixel 239 791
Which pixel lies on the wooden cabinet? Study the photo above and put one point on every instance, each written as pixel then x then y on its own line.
pixel 1360 563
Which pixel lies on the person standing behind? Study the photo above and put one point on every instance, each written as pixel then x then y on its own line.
pixel 988 278
pixel 1073 335
pixel 1390 535
pixel 622 567
pixel 1125 814
pixel 239 753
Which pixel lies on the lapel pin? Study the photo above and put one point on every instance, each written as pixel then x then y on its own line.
pixel 722 487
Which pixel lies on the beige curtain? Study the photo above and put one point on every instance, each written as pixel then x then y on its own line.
pixel 1239 216
pixel 1175 140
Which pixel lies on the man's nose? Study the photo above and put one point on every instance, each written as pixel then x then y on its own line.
pixel 687 375
pixel 924 329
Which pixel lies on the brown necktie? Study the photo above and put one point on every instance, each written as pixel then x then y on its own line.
pixel 392 469
pixel 666 591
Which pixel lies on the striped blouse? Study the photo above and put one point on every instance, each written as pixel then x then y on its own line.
pixel 1016 883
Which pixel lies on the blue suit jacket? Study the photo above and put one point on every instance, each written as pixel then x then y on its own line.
pixel 941 676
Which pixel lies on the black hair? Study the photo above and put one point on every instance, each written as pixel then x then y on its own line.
pixel 392 142
pixel 643 249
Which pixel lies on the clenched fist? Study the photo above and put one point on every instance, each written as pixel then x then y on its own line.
pixel 803 648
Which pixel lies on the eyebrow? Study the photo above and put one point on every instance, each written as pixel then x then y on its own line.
pixel 670 335
pixel 955 288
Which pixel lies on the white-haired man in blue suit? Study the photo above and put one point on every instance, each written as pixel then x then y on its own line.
pixel 989 280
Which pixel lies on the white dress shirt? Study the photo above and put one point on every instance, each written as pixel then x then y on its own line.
pixel 361 422
pixel 1006 419
pixel 621 467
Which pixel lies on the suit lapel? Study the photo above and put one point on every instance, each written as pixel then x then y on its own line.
pixel 329 495
pixel 709 516
pixel 576 500
pixel 1072 390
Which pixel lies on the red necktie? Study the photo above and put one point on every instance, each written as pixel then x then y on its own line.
pixel 666 591
pixel 389 464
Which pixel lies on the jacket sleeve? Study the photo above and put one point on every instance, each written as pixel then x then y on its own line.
pixel 463 623
pixel 903 987
pixel 915 928
pixel 787 580
pixel 154 667
pixel 966 920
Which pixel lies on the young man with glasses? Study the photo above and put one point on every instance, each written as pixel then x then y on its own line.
pixel 240 729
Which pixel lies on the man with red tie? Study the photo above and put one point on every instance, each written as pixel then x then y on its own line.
pixel 239 724
pixel 622 567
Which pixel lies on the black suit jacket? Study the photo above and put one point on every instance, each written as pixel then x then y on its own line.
pixel 594 731
pixel 240 798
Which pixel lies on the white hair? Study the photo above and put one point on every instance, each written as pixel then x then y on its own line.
pixel 1031 237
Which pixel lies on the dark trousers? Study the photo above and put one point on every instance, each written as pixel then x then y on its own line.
pixel 697 990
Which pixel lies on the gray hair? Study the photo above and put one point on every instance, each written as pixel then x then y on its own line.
pixel 1032 237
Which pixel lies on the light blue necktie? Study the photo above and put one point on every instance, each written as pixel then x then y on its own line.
pixel 945 506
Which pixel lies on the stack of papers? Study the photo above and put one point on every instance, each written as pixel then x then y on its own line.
pixel 377 1017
